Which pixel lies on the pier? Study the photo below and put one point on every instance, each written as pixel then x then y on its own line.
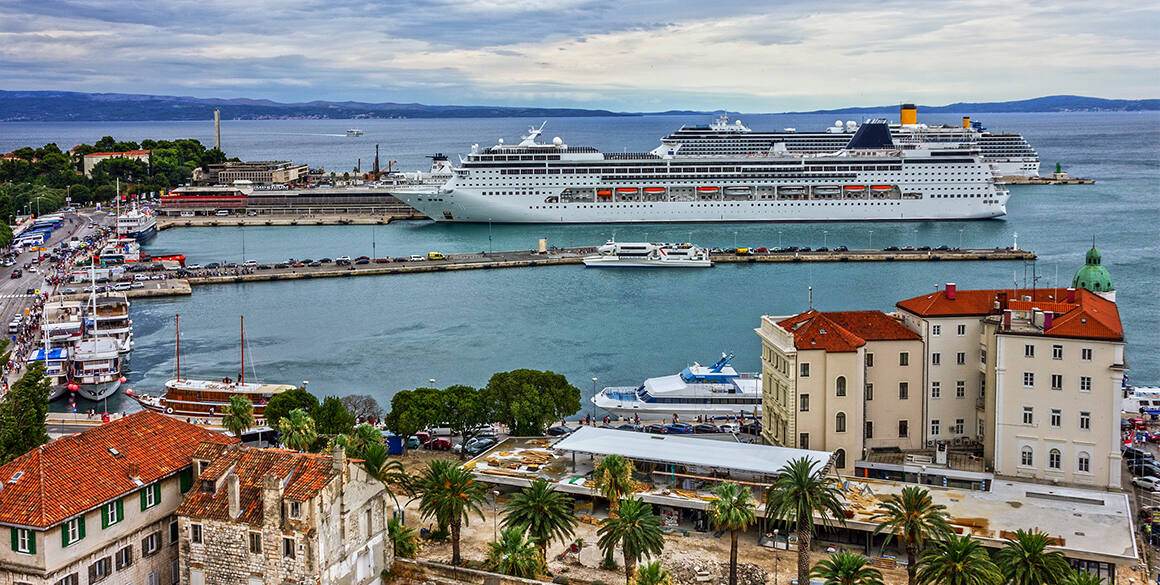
pixel 289 217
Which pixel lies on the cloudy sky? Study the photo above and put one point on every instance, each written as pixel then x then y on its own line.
pixel 757 56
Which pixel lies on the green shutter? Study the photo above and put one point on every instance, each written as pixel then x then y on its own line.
pixel 157 493
pixel 81 521
pixel 104 516
pixel 185 478
pixel 64 535
pixel 14 540
pixel 120 509
pixel 144 506
pixel 31 542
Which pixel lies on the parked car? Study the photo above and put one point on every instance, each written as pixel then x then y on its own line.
pixel 1143 467
pixel 706 428
pixel 477 446
pixel 729 427
pixel 417 258
pixel 630 427
pixel 679 428
pixel 751 428
pixel 1131 453
pixel 439 444
pixel 656 429
pixel 413 442
pixel 841 249
pixel 559 431
pixel 362 261
pixel 1147 482
pixel 16 273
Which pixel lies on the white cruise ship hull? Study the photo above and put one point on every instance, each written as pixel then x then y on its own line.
pixel 630 407
pixel 637 262
pixel 99 390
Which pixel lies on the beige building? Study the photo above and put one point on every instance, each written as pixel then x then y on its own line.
pixel 98 506
pixel 271 516
pixel 842 381
pixel 92 159
pixel 255 172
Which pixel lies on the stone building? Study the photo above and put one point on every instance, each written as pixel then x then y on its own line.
pixel 97 506
pixel 272 516
pixel 92 159
pixel 273 172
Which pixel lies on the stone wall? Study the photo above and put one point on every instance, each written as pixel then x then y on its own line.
pixel 412 571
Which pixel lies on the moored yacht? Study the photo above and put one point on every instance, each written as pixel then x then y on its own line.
pixel 107 316
pixel 96 367
pixel 55 369
pixel 137 224
pixel 615 254
pixel 716 391
pixel 63 324
pixel 1142 400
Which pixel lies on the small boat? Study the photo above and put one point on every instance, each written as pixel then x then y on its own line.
pixel 654 189
pixel 96 367
pixel 136 224
pixel 826 190
pixel 708 189
pixel 1142 400
pixel 354 132
pixel 615 254
pixel 716 392
pixel 881 187
pixel 604 193
pixel 55 369
pixel 107 316
pixel 849 188
pixel 627 190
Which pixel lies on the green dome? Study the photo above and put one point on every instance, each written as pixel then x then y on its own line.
pixel 1093 276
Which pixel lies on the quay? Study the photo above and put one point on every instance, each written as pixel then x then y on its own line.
pixel 1019 180
pixel 290 217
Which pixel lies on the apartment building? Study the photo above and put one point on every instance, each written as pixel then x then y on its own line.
pixel 91 160
pixel 98 506
pixel 270 172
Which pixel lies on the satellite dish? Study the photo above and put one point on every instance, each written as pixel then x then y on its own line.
pixel 556 141
pixel 501 140
pixel 837 122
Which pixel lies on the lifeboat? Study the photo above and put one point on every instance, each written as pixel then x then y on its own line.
pixel 708 189
pixel 791 189
pixel 882 187
pixel 855 187
pixel 738 190
pixel 826 189
pixel 604 193
pixel 654 189
pixel 628 190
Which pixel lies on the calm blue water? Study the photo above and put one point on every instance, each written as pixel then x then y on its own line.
pixel 380 334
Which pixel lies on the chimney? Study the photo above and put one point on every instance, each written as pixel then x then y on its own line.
pixel 338 459
pixel 217 129
pixel 952 291
pixel 234 487
pixel 1048 320
pixel 1006 319
pixel 271 500
pixel 134 472
pixel 1003 300
pixel 1070 295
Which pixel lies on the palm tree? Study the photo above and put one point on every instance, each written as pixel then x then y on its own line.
pixel 652 574
pixel 404 540
pixel 363 436
pixel 379 465
pixel 612 479
pixel 449 494
pixel 514 555
pixel 915 519
pixel 239 415
pixel 544 513
pixel 1080 577
pixel 297 430
pixel 1025 560
pixel 799 492
pixel 846 568
pixel 958 560
pixel 636 529
pixel 733 510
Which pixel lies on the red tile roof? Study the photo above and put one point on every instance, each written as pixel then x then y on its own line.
pixel 1089 317
pixel 127 152
pixel 77 473
pixel 302 475
pixel 872 325
pixel 840 331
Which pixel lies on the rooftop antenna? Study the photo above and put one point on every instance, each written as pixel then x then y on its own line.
pixel 811 290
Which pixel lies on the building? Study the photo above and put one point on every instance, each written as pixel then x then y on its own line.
pixel 254 172
pixel 840 381
pixel 98 506
pixel 271 516
pixel 1094 277
pixel 92 159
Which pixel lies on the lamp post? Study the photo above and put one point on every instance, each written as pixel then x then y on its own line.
pixel 776 558
pixel 825 239
pixel 593 409
pixel 374 252
pixel 778 238
pixel 734 240
pixel 431 381
pixel 961 238
pixel 871 240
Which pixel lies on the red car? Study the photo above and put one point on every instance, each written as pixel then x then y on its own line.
pixel 438 444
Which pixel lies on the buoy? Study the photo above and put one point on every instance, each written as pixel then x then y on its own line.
pixel 123 379
pixel 73 387
pixel 129 391
pixel 169 410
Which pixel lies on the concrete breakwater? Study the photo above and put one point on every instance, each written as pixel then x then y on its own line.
pixel 283 220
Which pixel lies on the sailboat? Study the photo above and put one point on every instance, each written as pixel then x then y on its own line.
pixel 189 397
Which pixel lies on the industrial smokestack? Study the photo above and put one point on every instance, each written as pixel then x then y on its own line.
pixel 217 129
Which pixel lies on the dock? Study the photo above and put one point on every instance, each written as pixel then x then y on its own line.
pixel 284 219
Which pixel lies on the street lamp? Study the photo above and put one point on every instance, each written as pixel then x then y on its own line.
pixel 431 381
pixel 871 240
pixel 778 238
pixel 961 238
pixel 825 239
pixel 593 410
pixel 734 240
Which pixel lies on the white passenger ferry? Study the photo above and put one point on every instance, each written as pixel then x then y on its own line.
pixel 1142 400
pixel 137 224
pixel 716 391
pixel 873 178
pixel 615 254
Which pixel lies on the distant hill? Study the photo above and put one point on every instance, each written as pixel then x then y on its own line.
pixel 1051 103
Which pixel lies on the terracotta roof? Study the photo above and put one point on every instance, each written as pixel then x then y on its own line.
pixel 1090 316
pixel 79 472
pixel 813 330
pixel 127 152
pixel 872 325
pixel 302 476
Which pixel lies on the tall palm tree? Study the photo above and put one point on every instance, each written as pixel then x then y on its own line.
pixel 651 574
pixel 846 568
pixel 636 529
pixel 1080 577
pixel 239 415
pixel 297 430
pixel 1025 560
pixel 449 494
pixel 403 539
pixel 799 492
pixel 733 510
pixel 514 555
pixel 957 560
pixel 544 513
pixel 379 465
pixel 362 436
pixel 612 479
pixel 914 518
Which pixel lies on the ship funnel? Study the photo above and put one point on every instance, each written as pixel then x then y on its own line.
pixel 967 122
pixel 908 114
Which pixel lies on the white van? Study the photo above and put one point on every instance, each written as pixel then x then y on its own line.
pixel 222 213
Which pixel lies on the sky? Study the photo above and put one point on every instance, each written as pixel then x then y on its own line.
pixel 624 55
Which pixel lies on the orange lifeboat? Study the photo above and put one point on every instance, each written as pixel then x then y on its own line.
pixel 708 189
pixel 654 189
pixel 882 187
pixel 855 187
pixel 628 190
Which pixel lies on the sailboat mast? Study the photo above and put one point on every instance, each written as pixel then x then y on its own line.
pixel 177 321
pixel 242 375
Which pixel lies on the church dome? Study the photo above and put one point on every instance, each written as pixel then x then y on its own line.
pixel 1092 275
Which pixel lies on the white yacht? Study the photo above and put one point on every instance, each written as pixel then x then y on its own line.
pixel 715 391
pixel 107 316
pixel 354 132
pixel 63 325
pixel 56 369
pixel 615 254
pixel 96 367
pixel 137 224
pixel 1142 400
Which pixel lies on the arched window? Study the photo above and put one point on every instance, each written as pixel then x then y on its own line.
pixel 1027 457
pixel 1054 459
pixel 1083 463
pixel 840 423
pixel 840 386
pixel 840 458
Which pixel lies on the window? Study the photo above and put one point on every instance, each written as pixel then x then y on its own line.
pixel 1057 381
pixel 1028 379
pixel 1056 418
pixel 959 424
pixel 100 569
pixel 175 572
pixel 369 519
pixel 936 330
pixel 1085 421
pixel 1054 459
pixel 124 557
pixel 961 358
pixel 903 429
pixel 904 358
pixel 840 386
pixel 960 388
pixel 869 429
pixel 1083 463
pixel 153 578
pixel 202 466
pixel 1057 352
pixel 1085 383
pixel 72 579
pixel 869 391
pixel 1027 457
pixel 961 330
pixel 151 544
pixel 195 533
pixel 72 531
pixel 803 441
pixel 295 510
pixel 805 370
pixel 112 513
pixel 150 496
pixel 288 548
pixel 936 389
pixel 903 390
pixel 804 403
pixel 173 532
pixel 1085 354
pixel 869 360
pixel 24 541
pixel 840 422
pixel 1028 415
pixel 256 543
pixel 982 356
pixel 934 427
pixel 840 458
pixel 935 358
pixel 1028 350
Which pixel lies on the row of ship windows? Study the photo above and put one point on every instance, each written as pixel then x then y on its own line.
pixel 686 170
pixel 618 206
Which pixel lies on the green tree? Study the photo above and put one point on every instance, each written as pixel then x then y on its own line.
pixel 544 513
pixel 379 465
pixel 1025 560
pixel 636 529
pixel 799 492
pixel 463 409
pixel 297 430
pixel 413 411
pixel 23 413
pixel 915 519
pixel 363 436
pixel 332 417
pixel 733 510
pixel 239 415
pixel 403 539
pixel 451 495
pixel 612 479
pixel 514 555
pixel 846 568
pixel 530 400
pixel 1081 577
pixel 651 574
pixel 958 560
pixel 281 405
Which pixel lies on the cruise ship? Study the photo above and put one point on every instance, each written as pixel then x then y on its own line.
pixel 136 224
pixel 714 392
pixel 872 178
pixel 615 254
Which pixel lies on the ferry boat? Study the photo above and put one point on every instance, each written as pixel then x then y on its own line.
pixel 107 316
pixel 615 254
pixel 137 224
pixel 716 391
pixel 95 367
pixel 555 183
pixel 123 250
pixel 1142 400
pixel 354 132
pixel 63 323
pixel 56 369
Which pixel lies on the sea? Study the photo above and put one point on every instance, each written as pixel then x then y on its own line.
pixel 380 334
